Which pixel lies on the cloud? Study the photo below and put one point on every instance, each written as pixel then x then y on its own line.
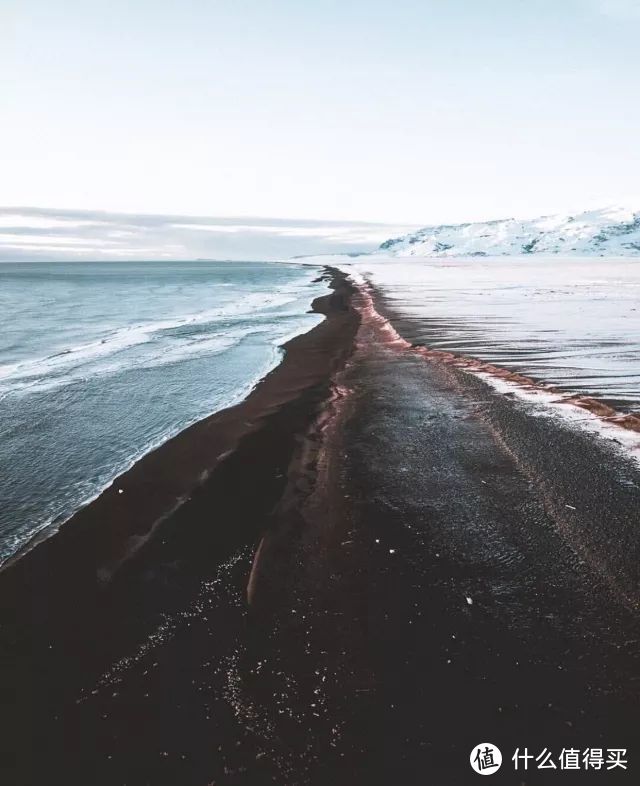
pixel 45 233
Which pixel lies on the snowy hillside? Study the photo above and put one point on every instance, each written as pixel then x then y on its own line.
pixel 612 231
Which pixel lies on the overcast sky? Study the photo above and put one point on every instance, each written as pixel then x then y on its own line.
pixel 54 234
pixel 399 111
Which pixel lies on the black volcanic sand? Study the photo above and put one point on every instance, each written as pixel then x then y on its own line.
pixel 437 568
pixel 101 589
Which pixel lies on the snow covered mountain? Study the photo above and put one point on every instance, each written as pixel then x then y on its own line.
pixel 612 231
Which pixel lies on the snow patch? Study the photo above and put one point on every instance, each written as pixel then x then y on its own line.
pixel 611 230
pixel 552 404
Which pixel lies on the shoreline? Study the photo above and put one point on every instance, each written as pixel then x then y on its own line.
pixel 121 479
pixel 210 349
pixel 466 571
pixel 625 411
pixel 610 436
pixel 146 477
pixel 99 586
pixel 598 417
pixel 392 562
pixel 50 529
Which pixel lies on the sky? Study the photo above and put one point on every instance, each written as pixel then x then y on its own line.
pixel 41 234
pixel 401 112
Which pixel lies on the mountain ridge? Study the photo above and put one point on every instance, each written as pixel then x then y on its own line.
pixel 613 230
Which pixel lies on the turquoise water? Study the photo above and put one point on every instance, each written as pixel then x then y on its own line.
pixel 100 362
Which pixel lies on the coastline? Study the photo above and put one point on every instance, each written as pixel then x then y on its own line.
pixel 163 507
pixel 192 502
pixel 65 470
pixel 597 414
pixel 391 561
pixel 597 448
pixel 463 569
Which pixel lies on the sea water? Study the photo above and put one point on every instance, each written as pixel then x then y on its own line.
pixel 101 362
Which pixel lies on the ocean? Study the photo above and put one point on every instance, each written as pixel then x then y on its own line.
pixel 101 362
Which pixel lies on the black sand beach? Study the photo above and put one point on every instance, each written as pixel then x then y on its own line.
pixel 368 567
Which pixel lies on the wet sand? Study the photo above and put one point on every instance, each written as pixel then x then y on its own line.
pixel 388 564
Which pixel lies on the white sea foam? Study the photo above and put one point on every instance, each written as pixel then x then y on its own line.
pixel 89 491
pixel 136 334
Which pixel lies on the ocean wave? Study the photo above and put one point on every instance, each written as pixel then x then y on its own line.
pixel 99 369
pixel 72 363
pixel 76 496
